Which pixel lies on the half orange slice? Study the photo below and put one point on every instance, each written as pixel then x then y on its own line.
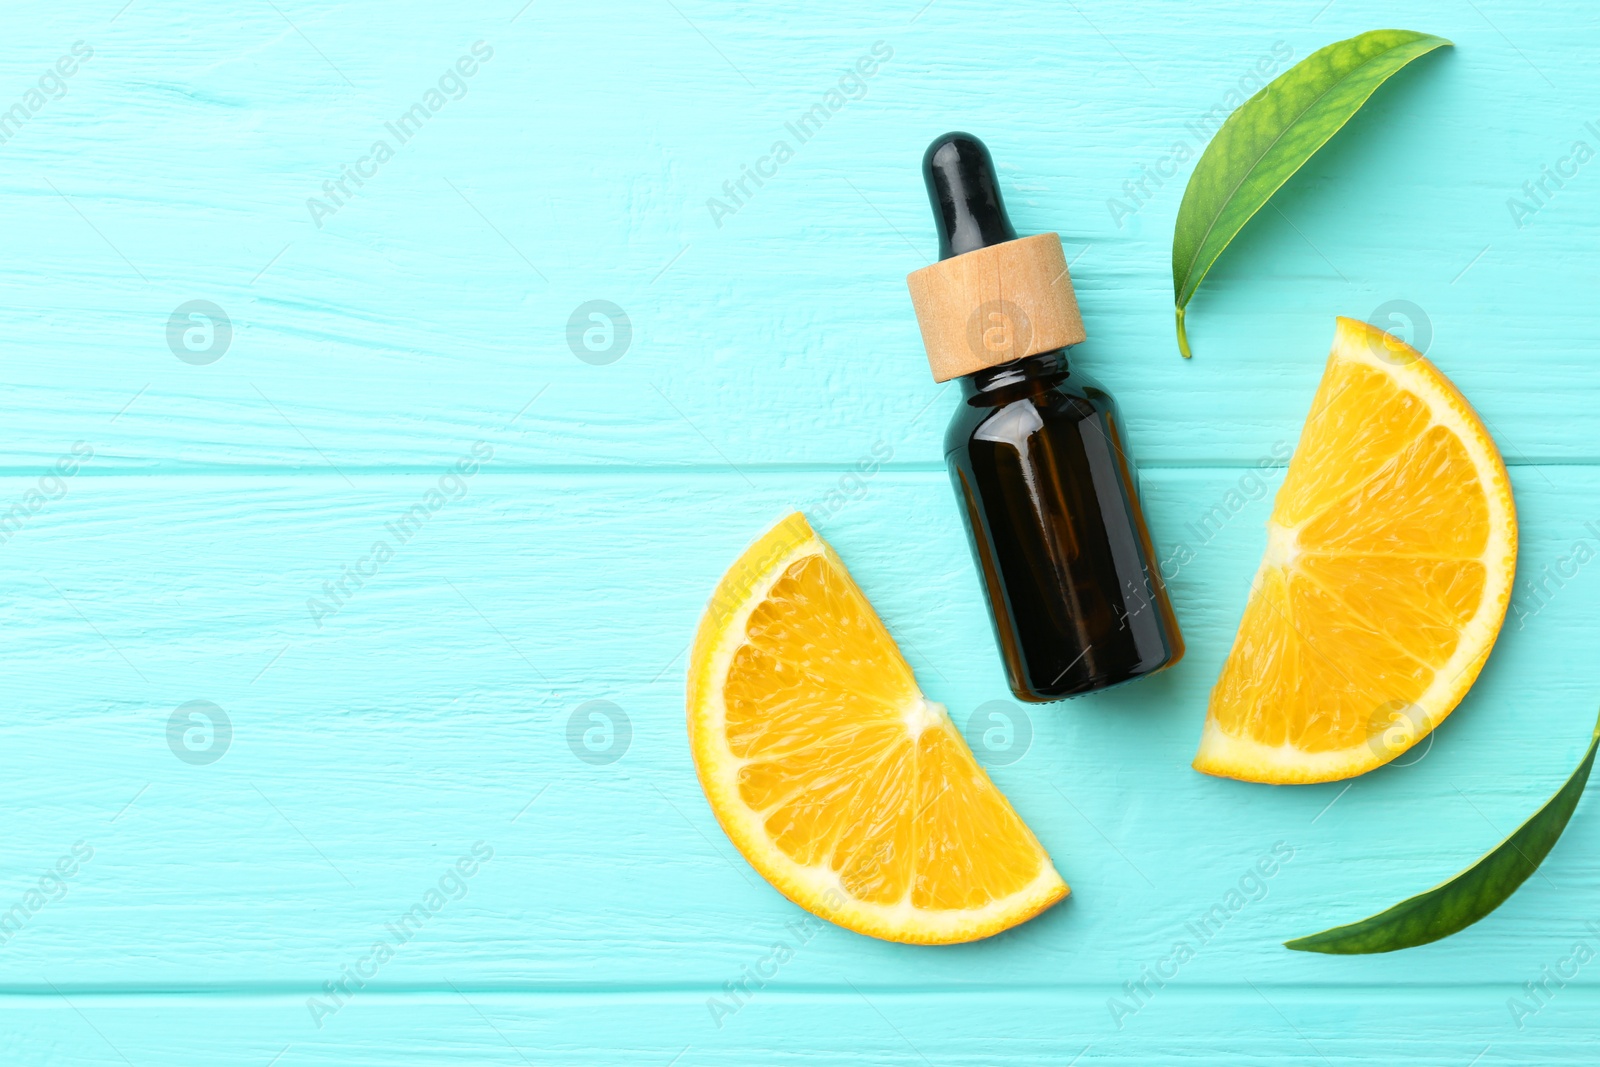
pixel 1390 555
pixel 837 779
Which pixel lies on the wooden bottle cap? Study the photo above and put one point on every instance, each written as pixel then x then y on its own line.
pixel 994 305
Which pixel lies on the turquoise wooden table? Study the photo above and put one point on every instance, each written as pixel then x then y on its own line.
pixel 349 564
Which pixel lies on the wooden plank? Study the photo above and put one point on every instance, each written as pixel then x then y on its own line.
pixel 779 1025
pixel 435 708
pixel 434 303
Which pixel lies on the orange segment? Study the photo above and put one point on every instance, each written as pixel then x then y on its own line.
pixel 1359 416
pixel 846 788
pixel 1390 556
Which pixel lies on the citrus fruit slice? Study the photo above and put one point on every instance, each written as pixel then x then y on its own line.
pixel 846 788
pixel 1390 555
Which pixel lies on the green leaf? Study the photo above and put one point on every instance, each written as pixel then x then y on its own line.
pixel 1270 137
pixel 1470 895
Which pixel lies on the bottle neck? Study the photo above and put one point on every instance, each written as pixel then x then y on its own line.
pixel 1030 368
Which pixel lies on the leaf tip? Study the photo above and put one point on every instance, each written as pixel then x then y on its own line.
pixel 1314 943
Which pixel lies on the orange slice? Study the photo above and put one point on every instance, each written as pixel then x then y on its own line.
pixel 1390 555
pixel 840 782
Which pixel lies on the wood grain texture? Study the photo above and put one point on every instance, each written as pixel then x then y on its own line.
pixel 435 707
pixel 434 303
pixel 430 711
pixel 965 1028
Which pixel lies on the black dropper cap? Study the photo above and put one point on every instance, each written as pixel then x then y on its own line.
pixel 965 194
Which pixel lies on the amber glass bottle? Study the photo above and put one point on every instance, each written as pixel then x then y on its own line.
pixel 1035 449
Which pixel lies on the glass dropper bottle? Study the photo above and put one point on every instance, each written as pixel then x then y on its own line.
pixel 1035 448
